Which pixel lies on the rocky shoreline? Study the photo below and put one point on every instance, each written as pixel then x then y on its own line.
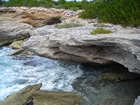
pixel 32 95
pixel 34 27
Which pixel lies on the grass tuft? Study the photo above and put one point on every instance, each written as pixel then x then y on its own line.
pixel 100 31
pixel 68 25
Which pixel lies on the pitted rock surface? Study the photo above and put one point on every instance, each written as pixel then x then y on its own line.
pixel 77 44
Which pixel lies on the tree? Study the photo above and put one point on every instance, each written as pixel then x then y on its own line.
pixel 1 2
pixel 61 1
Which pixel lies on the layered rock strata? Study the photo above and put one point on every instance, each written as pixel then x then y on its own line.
pixel 32 95
pixel 77 44
pixel 13 31
pixel 73 44
pixel 35 16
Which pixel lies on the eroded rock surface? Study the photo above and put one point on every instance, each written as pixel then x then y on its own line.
pixel 73 44
pixel 13 30
pixel 77 44
pixel 41 97
pixel 41 18
pixel 21 97
pixel 32 95
pixel 34 16
pixel 117 77
pixel 16 33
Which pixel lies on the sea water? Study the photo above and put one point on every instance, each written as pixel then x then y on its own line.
pixel 19 71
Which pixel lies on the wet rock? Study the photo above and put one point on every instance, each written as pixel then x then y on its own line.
pixel 21 97
pixel 109 101
pixel 21 51
pixel 112 77
pixel 30 103
pixel 31 95
pixel 21 57
pixel 17 45
pixel 56 97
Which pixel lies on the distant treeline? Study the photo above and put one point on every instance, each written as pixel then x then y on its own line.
pixel 124 12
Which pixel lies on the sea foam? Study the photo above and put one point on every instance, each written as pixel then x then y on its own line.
pixel 16 74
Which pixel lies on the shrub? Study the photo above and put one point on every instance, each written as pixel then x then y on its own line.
pixel 100 31
pixel 74 5
pixel 68 25
pixel 124 12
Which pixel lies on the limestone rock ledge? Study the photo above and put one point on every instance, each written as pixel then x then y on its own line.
pixel 35 16
pixel 13 30
pixel 32 95
pixel 77 44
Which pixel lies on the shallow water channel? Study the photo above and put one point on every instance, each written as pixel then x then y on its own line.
pixel 18 71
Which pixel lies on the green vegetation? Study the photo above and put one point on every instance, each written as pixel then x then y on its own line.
pixel 74 5
pixel 100 31
pixel 124 12
pixel 1 2
pixel 68 25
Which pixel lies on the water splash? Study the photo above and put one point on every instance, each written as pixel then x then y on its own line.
pixel 16 74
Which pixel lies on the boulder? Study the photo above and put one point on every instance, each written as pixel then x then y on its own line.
pixel 18 49
pixel 16 44
pixel 12 30
pixel 21 51
pixel 42 97
pixel 77 44
pixel 111 77
pixel 21 97
pixel 32 95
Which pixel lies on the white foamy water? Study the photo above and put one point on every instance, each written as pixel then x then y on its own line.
pixel 16 74
pixel 56 75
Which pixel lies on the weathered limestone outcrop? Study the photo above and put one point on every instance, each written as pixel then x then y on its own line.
pixel 73 44
pixel 15 32
pixel 34 16
pixel 32 95
pixel 41 18
pixel 77 44
pixel 17 46
pixel 12 30
pixel 21 97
